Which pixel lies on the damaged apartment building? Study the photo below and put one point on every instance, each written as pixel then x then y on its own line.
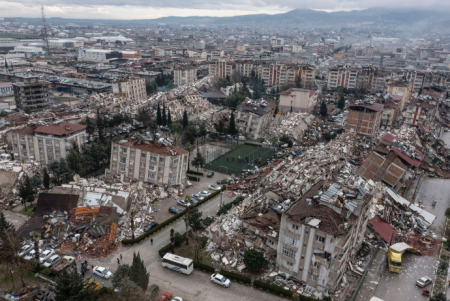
pixel 321 233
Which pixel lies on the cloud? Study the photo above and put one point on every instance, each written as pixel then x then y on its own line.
pixel 144 9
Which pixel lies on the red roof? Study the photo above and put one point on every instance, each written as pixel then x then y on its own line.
pixel 424 129
pixel 409 160
pixel 389 138
pixel 60 129
pixel 383 229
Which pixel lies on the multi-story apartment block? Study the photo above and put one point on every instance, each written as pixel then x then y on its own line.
pixel 104 55
pixel 184 75
pixel 364 119
pixel 46 143
pixel 245 68
pixel 130 89
pixel 297 100
pixel 253 119
pixel 320 234
pixel 400 88
pixel 32 93
pixel 420 111
pixel 221 68
pixel 153 162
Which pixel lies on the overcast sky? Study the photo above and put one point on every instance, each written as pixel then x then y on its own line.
pixel 151 9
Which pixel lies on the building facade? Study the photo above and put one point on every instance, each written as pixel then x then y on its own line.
pixel 157 164
pixel 32 93
pixel 184 75
pixel 299 100
pixel 364 119
pixel 46 143
pixel 252 119
pixel 6 89
pixel 221 68
pixel 420 111
pixel 130 89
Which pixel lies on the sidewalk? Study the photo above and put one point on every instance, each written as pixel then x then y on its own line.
pixel 373 276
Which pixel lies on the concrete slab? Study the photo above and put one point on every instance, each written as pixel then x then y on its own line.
pixel 15 218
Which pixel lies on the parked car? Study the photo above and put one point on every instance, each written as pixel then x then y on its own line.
pixel 46 255
pixel 183 203
pixel 153 290
pixel 177 299
pixel 174 210
pixel 102 272
pixel 198 196
pixel 25 250
pixel 52 260
pixel 165 297
pixel 210 174
pixel 222 181
pixel 31 254
pixel 214 187
pixel 194 201
pixel 204 193
pixel 220 280
pixel 150 226
pixel 423 281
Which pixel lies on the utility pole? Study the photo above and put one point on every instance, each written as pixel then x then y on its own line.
pixel 45 31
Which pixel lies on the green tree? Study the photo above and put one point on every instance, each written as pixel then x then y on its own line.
pixel 46 179
pixel 75 159
pixel 195 222
pixel 440 296
pixel 60 171
pixel 198 161
pixel 185 121
pixel 123 271
pixel 176 127
pixel 169 118
pixel 254 260
pixel 323 109
pixel 341 102
pixel 90 126
pixel 285 139
pixel 275 112
pixel 164 118
pixel 232 126
pixel 272 91
pixel 158 116
pixel 130 291
pixel 4 224
pixel 221 127
pixel 202 131
pixel 100 123
pixel 447 212
pixel 189 135
pixel 27 191
pixel 138 272
pixel 145 118
pixel 70 286
pixel 27 110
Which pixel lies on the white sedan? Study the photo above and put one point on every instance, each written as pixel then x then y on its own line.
pixel 25 250
pixel 102 272
pixel 215 187
pixel 46 255
pixel 204 193
pixel 220 280
pixel 31 254
pixel 176 299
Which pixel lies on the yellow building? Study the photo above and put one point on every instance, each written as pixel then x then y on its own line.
pixel 240 48
pixel 400 88
pixel 337 55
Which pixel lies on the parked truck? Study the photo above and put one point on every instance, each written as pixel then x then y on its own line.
pixel 64 263
pixel 394 256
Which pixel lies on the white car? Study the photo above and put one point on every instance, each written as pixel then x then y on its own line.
pixel 45 255
pixel 25 250
pixel 102 272
pixel 176 299
pixel 52 260
pixel 31 254
pixel 204 193
pixel 215 187
pixel 220 280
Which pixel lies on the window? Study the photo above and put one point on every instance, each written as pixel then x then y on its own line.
pixel 151 167
pixel 151 176
pixel 49 142
pixel 114 166
pixel 159 179
pixel 133 153
pixel 294 227
pixel 121 168
pixel 142 164
pixel 141 174
pixel 143 156
pixel 175 161
pixel 57 144
pixel 314 277
pixel 114 158
pixel 320 238
pixel 288 252
pixel 115 148
pixel 130 171
pixel 161 160
pixel 123 160
pixel 50 151
pixel 289 265
pixel 22 138
pixel 50 159
pixel 15 137
pixel 124 150
pixel 23 146
pixel 172 179
pixel 40 141
pixel 30 140
pixel 153 158
pixel 290 241
pixel 160 169
pixel 317 264
pixel 57 153
pixel 24 154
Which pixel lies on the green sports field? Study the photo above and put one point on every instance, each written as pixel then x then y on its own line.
pixel 240 158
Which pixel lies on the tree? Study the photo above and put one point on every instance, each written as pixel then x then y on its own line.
pixel 189 135
pixel 198 161
pixel 185 121
pixel 70 286
pixel 4 224
pixel 254 260
pixel 145 118
pixel 61 170
pixel 158 116
pixel 164 118
pixel 285 139
pixel 323 109
pixel 75 159
pixel 138 272
pixel 27 191
pixel 298 81
pixel 232 126
pixel 123 271
pixel 176 127
pixel 27 110
pixel 100 123
pixel 275 112
pixel 132 215
pixel 220 128
pixel 440 296
pixel 172 240
pixel 169 118
pixel 150 87
pixel 90 126
pixel 202 131
pixel 9 249
pixel 194 219
pixel 272 91
pixel 341 102
pixel 36 238
pixel 130 291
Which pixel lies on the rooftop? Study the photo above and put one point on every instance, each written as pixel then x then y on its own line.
pixel 155 148
pixel 60 129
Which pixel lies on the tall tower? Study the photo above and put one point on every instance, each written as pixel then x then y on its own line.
pixel 45 31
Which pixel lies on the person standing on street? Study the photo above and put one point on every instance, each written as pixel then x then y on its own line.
pixel 151 241
pixel 118 261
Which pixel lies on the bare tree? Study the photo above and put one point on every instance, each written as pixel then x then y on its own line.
pixel 36 238
pixel 9 252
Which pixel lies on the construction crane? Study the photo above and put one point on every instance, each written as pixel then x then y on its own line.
pixel 45 31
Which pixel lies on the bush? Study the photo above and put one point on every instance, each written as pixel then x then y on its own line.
pixel 237 277
pixel 272 288
pixel 228 206
pixel 192 172
pixel 204 267
pixel 195 179
pixel 164 250
pixel 47 272
pixel 178 239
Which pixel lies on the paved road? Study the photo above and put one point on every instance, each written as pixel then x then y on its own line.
pixel 402 286
pixel 15 218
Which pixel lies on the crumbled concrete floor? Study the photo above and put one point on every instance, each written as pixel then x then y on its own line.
pixel 373 277
pixel 15 218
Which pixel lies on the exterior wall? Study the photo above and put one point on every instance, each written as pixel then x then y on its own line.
pixel 251 123
pixel 7 90
pixel 301 101
pixel 184 75
pixel 220 69
pixel 33 95
pixel 145 166
pixel 364 123
pixel 131 89
pixel 43 148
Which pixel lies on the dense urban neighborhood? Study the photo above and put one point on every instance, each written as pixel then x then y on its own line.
pixel 288 157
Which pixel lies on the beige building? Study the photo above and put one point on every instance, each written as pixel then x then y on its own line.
pixel 130 89
pixel 253 119
pixel 220 68
pixel 300 100
pixel 32 93
pixel 154 163
pixel 45 143
pixel 184 75
pixel 402 89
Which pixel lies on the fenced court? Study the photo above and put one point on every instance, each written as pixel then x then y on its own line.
pixel 243 157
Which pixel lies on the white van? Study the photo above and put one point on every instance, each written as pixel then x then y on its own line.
pixel 241 138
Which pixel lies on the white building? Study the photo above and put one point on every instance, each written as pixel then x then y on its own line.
pixel 184 75
pixel 300 100
pixel 65 43
pixel 130 89
pixel 29 50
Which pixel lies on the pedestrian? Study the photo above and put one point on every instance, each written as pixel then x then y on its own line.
pixel 85 268
pixel 151 241
pixel 92 268
pixel 120 256
pixel 118 261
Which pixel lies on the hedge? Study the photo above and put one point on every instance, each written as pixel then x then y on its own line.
pixel 192 172
pixel 164 250
pixel 167 222
pixel 272 288
pixel 195 179
pixel 230 205
pixel 237 277
pixel 204 267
